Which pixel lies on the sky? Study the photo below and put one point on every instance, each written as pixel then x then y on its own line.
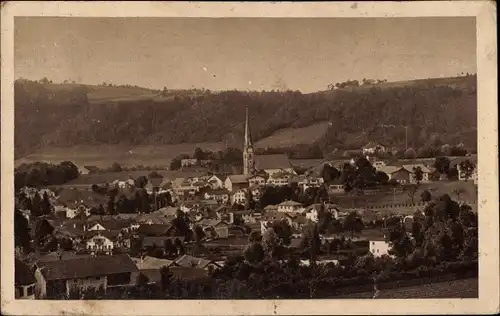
pixel 303 54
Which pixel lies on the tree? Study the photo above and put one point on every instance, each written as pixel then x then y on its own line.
pixel 329 173
pixel 410 153
pixel 381 177
pixel 154 175
pixel 254 253
pixel 412 191
pixel 418 174
pixel 36 203
pixel 426 196
pixel 270 241
pixel 458 192
pixel 115 167
pixel 199 234
pixel 199 154
pixel 46 206
pixel 141 182
pixel 175 164
pixel 22 237
pixel 466 169
pixel 166 278
pixel 353 223
pixel 254 237
pixel 442 164
pixel 311 241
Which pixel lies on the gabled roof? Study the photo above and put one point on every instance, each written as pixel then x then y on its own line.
pixel 271 207
pixel 23 274
pixel 84 267
pixel 277 161
pixel 109 234
pixel 149 241
pixel 111 224
pixel 290 203
pixel 238 178
pixel 166 211
pixel 372 145
pixel 409 168
pixel 148 263
pixel 153 229
pixel 187 261
pixel 389 169
pixel 204 222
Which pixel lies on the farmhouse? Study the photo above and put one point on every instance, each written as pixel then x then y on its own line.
pixel 219 195
pixel 257 180
pixel 215 182
pixel 290 207
pixel 306 182
pixel 105 241
pixel 373 147
pixel 188 162
pixel 79 273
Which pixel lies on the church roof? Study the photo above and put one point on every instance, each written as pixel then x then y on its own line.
pixel 277 161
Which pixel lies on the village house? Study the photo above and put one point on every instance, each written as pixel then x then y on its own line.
pixel 378 164
pixel 257 180
pixel 157 230
pixel 379 246
pixel 188 162
pixel 24 281
pixel 239 197
pixel 219 195
pixel 279 178
pixel 151 266
pixel 291 207
pixel 305 182
pixel 373 147
pixel 313 210
pixel 187 261
pixel 272 164
pixel 256 192
pixel 106 241
pixel 215 182
pixel 411 172
pixel 62 276
pixel 150 242
pixel 236 182
pixel 336 187
pixel 219 227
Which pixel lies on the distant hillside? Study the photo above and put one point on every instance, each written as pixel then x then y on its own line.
pixel 62 115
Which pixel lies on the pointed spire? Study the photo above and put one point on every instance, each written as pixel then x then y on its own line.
pixel 248 136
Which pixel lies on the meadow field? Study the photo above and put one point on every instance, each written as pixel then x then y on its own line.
pixel 465 288
pixel 287 137
pixel 104 156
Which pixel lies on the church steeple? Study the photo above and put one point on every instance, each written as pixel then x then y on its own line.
pixel 248 155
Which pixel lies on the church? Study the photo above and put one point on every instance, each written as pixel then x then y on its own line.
pixel 256 164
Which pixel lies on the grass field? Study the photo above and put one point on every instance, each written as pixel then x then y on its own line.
pixel 104 155
pixel 467 288
pixel 437 188
pixel 294 136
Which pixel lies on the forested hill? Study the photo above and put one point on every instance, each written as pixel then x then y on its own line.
pixel 49 114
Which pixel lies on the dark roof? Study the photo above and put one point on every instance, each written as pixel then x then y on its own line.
pixel 187 261
pixel 153 229
pixel 372 145
pixel 149 241
pixel 23 274
pixel 278 161
pixel 89 266
pixel 110 234
pixel 188 273
pixel 112 224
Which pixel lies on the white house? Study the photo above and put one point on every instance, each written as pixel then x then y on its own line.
pixel 461 173
pixel 280 178
pixel 100 243
pixel 411 169
pixel 379 247
pixel 313 210
pixel 256 180
pixel 306 182
pixel 239 197
pixel 188 162
pixel 215 182
pixel 219 195
pixel 291 207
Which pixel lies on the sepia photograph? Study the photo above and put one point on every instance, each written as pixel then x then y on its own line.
pixel 248 158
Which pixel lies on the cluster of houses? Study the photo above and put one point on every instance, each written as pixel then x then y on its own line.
pixel 101 246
